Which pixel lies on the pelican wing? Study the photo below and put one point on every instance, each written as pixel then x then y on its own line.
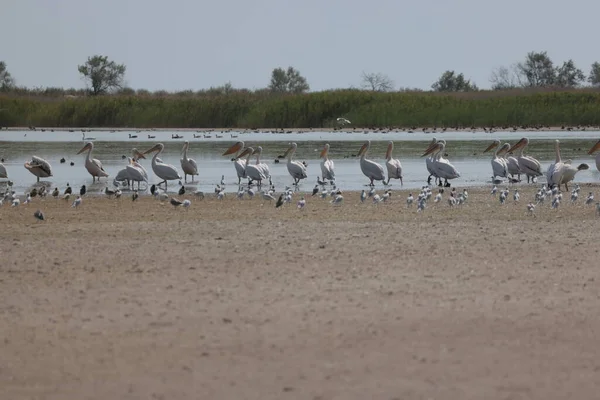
pixel 297 170
pixel 98 164
pixel 166 171
pixel 3 173
pixel 372 170
pixel 327 169
pixel 499 167
pixel 135 174
pixel 394 168
pixel 253 172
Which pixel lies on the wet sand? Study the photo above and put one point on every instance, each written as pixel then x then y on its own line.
pixel 238 300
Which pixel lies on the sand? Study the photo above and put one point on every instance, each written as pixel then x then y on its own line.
pixel 238 300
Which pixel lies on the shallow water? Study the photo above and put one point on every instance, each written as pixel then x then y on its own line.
pixel 465 151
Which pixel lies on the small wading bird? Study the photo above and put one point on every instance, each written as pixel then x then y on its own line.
pixel 39 215
pixel 93 166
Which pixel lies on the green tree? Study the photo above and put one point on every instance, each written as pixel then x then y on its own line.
pixel 289 81
pixel 6 80
pixel 537 69
pixel 568 75
pixel 376 82
pixel 594 77
pixel 102 75
pixel 451 82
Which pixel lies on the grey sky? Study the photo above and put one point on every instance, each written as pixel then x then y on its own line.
pixel 187 44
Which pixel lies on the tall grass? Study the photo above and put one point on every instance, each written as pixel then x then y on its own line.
pixel 246 109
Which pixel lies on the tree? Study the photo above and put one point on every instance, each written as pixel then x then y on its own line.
pixel 376 82
pixel 537 69
pixel 568 75
pixel 594 77
pixel 451 82
pixel 289 81
pixel 102 75
pixel 505 78
pixel 6 80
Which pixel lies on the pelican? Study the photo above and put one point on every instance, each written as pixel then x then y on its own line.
pixel 527 164
pixel 440 166
pixel 562 172
pixel 593 150
pixel 512 165
pixel 429 161
pixel 394 167
pixel 188 165
pixel 296 169
pixel 3 173
pixel 369 168
pixel 93 165
pixel 253 172
pixel 327 167
pixel 133 171
pixel 240 164
pixel 39 167
pixel 263 166
pixel 499 164
pixel 166 172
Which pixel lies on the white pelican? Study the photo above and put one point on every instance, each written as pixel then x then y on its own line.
pixel 394 167
pixel 369 168
pixel 39 167
pixel 240 164
pixel 188 165
pixel 253 172
pixel 166 172
pixel 3 173
pixel 327 167
pixel 263 166
pixel 593 150
pixel 133 171
pixel 499 165
pixel 527 164
pixel 440 165
pixel 296 169
pixel 93 166
pixel 562 172
pixel 429 161
pixel 512 165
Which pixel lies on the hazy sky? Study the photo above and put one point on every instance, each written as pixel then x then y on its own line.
pixel 195 44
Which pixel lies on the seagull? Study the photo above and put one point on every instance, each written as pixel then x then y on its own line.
pixel 222 180
pixel 175 202
pixel 337 200
pixel 316 190
pixel 69 189
pixel 363 196
pixel 516 195
pixel 494 190
pixel 279 201
pixel 531 208
pixel 301 203
pixel 16 202
pixel 135 195
pixel 186 203
pixel 109 192
pixel 590 198
pixel 27 198
pixel 409 200
pixel 39 215
pixel 77 202
pixel 55 193
pixel 199 193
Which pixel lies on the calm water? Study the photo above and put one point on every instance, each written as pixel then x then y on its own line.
pixel 465 151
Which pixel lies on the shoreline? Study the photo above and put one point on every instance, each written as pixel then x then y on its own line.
pixel 302 130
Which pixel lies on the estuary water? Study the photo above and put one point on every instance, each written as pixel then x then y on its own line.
pixel 464 149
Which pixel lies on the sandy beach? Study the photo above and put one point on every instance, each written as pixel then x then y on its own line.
pixel 238 300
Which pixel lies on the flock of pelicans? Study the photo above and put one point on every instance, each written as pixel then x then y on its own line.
pixel 508 162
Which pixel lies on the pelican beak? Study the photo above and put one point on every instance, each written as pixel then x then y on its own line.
pixel 362 150
pixel 517 145
pixel 431 146
pixel 323 152
pixel 594 148
pixel 430 149
pixel 86 147
pixel 246 152
pixel 151 150
pixel 490 147
pixel 233 149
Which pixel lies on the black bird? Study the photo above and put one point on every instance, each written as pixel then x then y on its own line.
pixel 72 163
pixel 182 190
pixel 82 190
pixel 68 190
pixel 315 190
pixel 279 201
pixel 62 160
pixel 153 189
pixel 34 192
pixel 39 215
pixel 175 202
